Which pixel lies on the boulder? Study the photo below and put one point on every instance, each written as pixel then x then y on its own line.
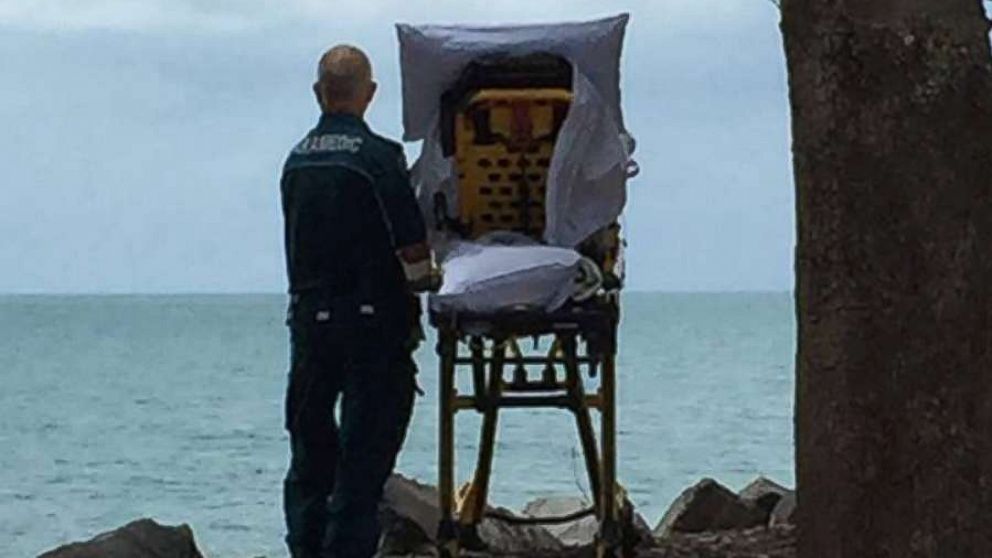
pixel 410 514
pixel 581 531
pixel 708 506
pixel 502 537
pixel 143 538
pixel 578 532
pixel 784 512
pixel 763 494
pixel 757 542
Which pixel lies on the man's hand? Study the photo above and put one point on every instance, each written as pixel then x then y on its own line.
pixel 417 266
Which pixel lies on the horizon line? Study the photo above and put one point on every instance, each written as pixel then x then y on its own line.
pixel 282 293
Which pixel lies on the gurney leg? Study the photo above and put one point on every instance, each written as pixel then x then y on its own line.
pixel 583 420
pixel 610 536
pixel 475 505
pixel 447 536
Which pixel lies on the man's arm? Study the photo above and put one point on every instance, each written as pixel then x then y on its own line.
pixel 407 225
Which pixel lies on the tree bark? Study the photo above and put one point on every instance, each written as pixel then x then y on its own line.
pixel 892 131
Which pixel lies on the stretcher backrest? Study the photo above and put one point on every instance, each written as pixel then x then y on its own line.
pixel 500 122
pixel 504 139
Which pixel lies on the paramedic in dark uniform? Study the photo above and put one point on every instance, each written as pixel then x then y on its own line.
pixel 355 248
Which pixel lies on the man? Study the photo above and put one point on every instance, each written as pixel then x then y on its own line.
pixel 353 235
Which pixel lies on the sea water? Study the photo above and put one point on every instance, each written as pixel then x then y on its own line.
pixel 119 407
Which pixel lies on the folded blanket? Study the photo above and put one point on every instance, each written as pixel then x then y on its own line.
pixel 511 273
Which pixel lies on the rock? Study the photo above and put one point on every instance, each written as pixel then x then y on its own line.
pixel 763 494
pixel 581 531
pixel 757 542
pixel 708 506
pixel 784 512
pixel 641 527
pixel 578 532
pixel 410 516
pixel 525 540
pixel 143 538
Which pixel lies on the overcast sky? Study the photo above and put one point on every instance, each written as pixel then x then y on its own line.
pixel 142 140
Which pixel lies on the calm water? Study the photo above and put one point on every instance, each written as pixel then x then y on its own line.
pixel 113 408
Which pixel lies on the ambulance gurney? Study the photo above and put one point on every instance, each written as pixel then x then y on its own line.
pixel 522 175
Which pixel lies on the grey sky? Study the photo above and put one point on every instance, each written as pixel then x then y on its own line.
pixel 143 140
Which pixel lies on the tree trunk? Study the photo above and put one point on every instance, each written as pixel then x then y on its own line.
pixel 892 130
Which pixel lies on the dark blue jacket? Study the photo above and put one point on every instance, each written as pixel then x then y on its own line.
pixel 348 206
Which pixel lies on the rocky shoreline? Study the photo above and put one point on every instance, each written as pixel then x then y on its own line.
pixel 707 520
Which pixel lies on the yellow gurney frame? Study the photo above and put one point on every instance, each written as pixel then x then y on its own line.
pixel 502 141
pixel 583 344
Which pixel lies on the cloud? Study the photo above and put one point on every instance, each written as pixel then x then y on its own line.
pixel 144 139
pixel 227 16
pixel 73 15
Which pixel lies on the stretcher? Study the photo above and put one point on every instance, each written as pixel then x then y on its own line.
pixel 499 124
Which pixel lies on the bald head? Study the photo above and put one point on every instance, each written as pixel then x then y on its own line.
pixel 344 80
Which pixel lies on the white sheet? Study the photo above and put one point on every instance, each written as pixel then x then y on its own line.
pixel 587 178
pixel 433 56
pixel 495 278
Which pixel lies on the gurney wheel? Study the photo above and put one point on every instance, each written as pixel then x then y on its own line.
pixel 448 550
pixel 625 539
pixel 447 540
pixel 630 537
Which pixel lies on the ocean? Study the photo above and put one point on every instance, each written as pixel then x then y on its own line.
pixel 119 407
